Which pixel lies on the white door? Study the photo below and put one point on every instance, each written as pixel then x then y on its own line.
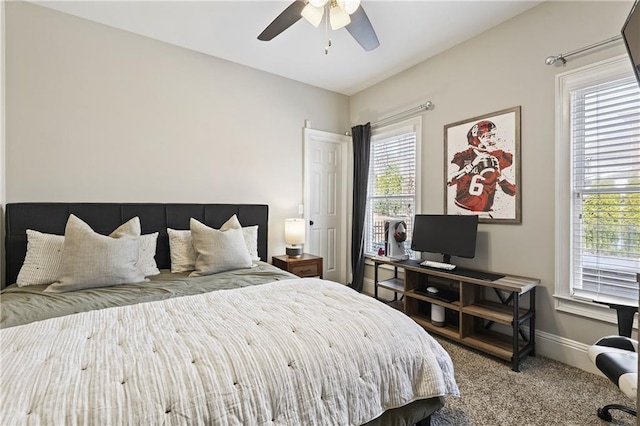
pixel 325 189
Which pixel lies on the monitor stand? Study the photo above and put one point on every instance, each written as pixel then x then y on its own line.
pixel 446 258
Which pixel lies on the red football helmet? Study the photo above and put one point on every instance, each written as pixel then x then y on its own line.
pixel 477 131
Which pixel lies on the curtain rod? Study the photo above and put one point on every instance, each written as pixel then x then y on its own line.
pixel 425 106
pixel 562 57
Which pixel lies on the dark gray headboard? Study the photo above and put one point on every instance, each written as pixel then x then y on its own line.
pixel 51 218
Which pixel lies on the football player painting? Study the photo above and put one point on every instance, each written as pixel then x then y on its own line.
pixel 477 171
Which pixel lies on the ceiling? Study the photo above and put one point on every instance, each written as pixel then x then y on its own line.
pixel 409 32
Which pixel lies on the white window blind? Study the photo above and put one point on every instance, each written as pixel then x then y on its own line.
pixel 392 185
pixel 605 216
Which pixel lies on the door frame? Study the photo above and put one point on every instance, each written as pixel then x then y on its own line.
pixel 343 140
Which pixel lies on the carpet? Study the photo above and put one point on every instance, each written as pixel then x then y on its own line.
pixel 545 392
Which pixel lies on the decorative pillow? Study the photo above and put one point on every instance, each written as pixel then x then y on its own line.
pixel 250 234
pixel 42 261
pixel 217 250
pixel 92 260
pixel 44 254
pixel 183 255
pixel 147 259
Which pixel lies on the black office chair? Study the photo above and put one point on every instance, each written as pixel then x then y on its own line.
pixel 617 358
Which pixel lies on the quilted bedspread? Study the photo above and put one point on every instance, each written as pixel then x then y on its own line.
pixel 293 352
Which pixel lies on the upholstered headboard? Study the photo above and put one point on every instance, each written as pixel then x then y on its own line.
pixel 51 218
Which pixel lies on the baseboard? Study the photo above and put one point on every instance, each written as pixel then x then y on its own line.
pixel 564 350
pixel 558 348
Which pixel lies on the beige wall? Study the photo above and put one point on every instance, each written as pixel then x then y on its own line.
pixel 502 68
pixel 2 142
pixel 99 114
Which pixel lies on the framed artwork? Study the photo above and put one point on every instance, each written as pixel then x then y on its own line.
pixel 482 167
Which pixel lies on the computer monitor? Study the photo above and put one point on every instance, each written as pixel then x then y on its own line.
pixel 449 235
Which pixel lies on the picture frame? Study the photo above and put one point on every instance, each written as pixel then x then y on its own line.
pixel 483 167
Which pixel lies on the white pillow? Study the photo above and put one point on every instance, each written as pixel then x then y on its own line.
pixel 217 250
pixel 42 261
pixel 147 259
pixel 93 260
pixel 183 255
pixel 44 254
pixel 250 234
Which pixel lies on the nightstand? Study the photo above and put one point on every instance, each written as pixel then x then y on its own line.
pixel 306 265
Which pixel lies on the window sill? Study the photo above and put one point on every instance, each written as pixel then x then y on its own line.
pixel 587 309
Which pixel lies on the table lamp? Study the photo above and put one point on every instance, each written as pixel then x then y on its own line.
pixel 294 235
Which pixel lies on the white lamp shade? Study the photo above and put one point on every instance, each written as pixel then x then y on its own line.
pixel 313 14
pixel 349 6
pixel 294 231
pixel 339 18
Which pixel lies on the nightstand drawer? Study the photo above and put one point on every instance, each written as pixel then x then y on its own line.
pixel 309 270
pixel 303 266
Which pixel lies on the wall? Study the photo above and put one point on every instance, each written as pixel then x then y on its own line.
pixel 2 142
pixel 99 114
pixel 502 68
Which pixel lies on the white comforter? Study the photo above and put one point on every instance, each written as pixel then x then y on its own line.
pixel 296 352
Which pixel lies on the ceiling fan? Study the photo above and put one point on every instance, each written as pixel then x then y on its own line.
pixel 340 13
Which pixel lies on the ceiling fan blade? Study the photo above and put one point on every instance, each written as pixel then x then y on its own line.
pixel 288 17
pixel 362 30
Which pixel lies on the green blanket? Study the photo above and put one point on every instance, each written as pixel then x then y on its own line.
pixel 22 305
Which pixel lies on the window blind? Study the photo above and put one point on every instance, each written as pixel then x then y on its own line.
pixel 605 137
pixel 391 188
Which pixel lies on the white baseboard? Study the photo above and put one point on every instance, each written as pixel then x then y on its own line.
pixel 559 348
pixel 564 350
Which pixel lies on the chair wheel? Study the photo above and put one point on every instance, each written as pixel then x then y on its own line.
pixel 604 414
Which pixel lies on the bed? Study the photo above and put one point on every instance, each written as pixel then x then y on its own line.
pixel 253 345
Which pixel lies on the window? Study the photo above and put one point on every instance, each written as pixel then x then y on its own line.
pixel 394 178
pixel 598 175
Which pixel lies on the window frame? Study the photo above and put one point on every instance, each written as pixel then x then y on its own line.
pixel 600 72
pixel 411 125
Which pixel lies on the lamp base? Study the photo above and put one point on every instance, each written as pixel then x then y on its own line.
pixel 294 251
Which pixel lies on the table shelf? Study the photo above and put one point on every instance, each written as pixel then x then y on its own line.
pixel 394 284
pixel 474 313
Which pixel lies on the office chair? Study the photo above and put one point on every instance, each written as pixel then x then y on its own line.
pixel 617 358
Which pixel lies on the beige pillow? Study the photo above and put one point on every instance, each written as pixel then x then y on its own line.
pixel 217 250
pixel 183 255
pixel 92 260
pixel 44 255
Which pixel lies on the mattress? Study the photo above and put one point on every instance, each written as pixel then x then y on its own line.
pixel 295 351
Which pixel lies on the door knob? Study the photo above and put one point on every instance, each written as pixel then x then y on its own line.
pixel 310 223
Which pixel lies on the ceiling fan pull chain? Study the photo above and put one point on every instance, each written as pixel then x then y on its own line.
pixel 326 31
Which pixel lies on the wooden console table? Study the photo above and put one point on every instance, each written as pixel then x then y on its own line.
pixel 469 315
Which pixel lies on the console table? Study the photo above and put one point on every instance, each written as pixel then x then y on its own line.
pixel 469 315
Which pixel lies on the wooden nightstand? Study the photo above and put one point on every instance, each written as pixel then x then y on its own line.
pixel 306 265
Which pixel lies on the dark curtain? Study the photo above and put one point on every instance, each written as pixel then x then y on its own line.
pixel 361 153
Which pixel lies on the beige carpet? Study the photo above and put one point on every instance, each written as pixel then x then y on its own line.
pixel 544 392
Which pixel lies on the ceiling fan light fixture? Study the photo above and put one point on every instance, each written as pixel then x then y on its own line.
pixel 313 14
pixel 339 18
pixel 349 6
pixel 318 3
